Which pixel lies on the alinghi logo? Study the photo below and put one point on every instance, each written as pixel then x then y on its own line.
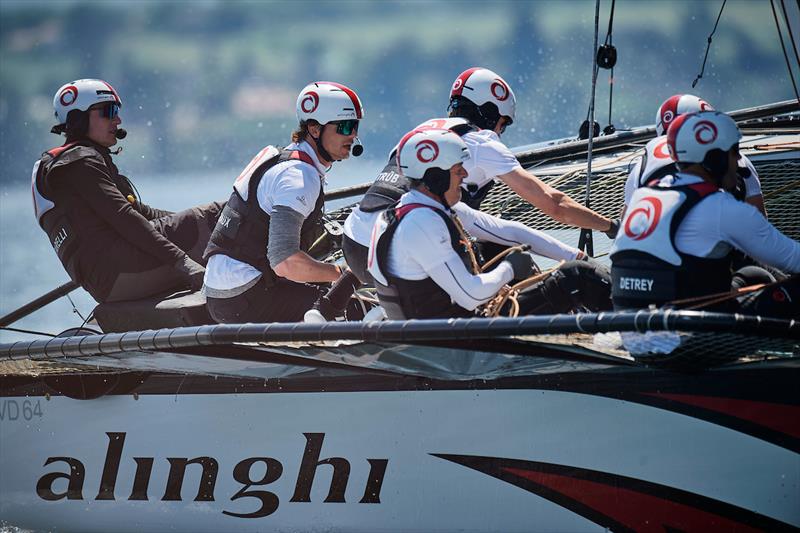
pixel 309 464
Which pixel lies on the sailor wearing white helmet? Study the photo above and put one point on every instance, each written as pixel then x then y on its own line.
pixel 258 268
pixel 109 242
pixel 678 235
pixel 487 101
pixel 419 252
pixel 482 106
pixel 656 162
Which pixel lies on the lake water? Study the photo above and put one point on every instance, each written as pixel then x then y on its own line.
pixel 29 268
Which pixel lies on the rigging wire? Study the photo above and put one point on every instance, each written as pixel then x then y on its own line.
pixel 783 47
pixel 708 45
pixel 75 310
pixel 609 45
pixel 585 241
pixel 28 331
pixel 791 33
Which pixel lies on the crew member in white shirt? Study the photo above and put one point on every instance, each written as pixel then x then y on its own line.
pixel 482 105
pixel 258 269
pixel 678 237
pixel 656 162
pixel 420 258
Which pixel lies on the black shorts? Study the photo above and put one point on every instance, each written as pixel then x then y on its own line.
pixel 285 301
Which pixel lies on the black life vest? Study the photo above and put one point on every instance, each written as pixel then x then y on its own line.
pixel 404 299
pixel 242 230
pixel 387 188
pixel 52 217
pixel 390 184
pixel 647 268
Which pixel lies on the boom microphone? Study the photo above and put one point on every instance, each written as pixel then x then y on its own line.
pixel 357 148
pixel 121 133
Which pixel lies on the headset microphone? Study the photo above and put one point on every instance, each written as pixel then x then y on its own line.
pixel 121 133
pixel 357 148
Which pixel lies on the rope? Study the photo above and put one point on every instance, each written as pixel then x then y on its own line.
pixel 713 299
pixel 501 255
pixel 511 293
pixel 783 47
pixel 708 46
pixel 765 147
pixel 466 240
pixel 779 190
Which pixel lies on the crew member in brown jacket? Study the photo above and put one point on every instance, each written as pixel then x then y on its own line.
pixel 110 243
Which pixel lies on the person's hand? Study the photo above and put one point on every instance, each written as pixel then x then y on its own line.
pixel 611 232
pixel 192 270
pixel 522 264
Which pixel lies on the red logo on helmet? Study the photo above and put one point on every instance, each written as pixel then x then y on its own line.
pixel 427 150
pixel 310 102
pixel 646 215
pixel 68 95
pixel 500 90
pixel 457 84
pixel 705 106
pixel 705 132
pixel 667 117
pixel 436 124
pixel 661 151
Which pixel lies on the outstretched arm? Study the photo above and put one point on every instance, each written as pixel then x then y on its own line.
pixel 486 227
pixel 553 202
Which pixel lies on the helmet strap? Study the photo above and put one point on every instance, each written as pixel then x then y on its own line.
pixel 438 182
pixel 320 148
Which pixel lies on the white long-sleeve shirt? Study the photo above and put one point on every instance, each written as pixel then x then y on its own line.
pixel 421 249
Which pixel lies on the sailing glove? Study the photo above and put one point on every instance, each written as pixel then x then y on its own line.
pixel 611 232
pixel 192 270
pixel 522 264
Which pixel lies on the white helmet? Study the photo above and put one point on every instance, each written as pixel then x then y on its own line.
pixel 81 95
pixel 704 138
pixel 421 150
pixel 677 105
pixel 480 85
pixel 460 126
pixel 326 101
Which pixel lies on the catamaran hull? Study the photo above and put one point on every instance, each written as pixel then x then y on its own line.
pixel 515 459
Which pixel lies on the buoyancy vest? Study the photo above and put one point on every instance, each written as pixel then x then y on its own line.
pixel 242 230
pixel 404 299
pixel 646 266
pixel 390 184
pixel 52 216
pixel 656 163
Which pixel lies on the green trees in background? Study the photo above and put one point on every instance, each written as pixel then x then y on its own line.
pixel 205 85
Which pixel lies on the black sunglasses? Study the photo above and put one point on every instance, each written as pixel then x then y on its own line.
pixel 108 110
pixel 346 127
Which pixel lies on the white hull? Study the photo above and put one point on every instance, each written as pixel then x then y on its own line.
pixel 742 475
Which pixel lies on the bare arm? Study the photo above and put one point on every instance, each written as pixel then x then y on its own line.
pixel 553 202
pixel 301 267
pixel 284 254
